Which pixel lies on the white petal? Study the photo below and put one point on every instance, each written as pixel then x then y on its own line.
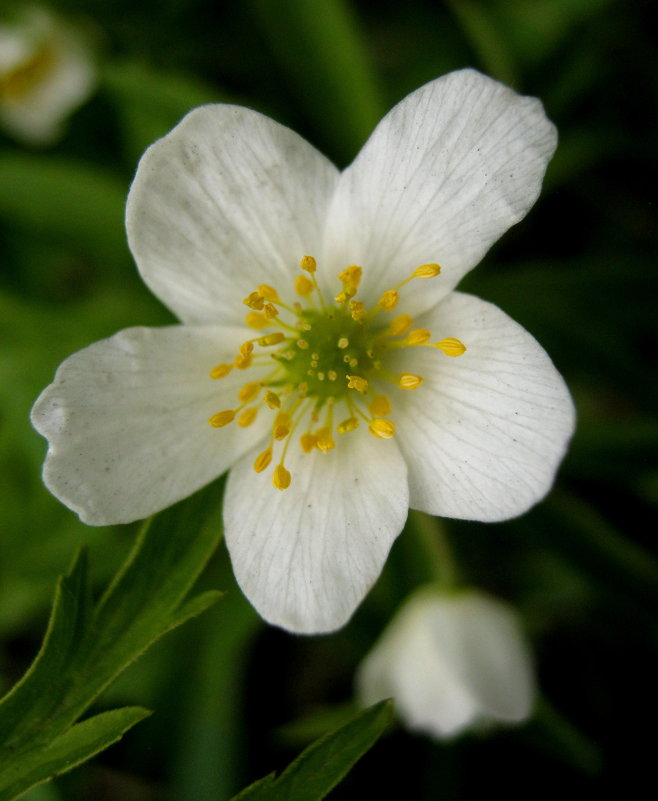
pixel 449 660
pixel 442 177
pixel 306 556
pixel 227 200
pixel 127 421
pixel 484 434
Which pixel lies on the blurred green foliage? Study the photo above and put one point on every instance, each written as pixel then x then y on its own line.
pixel 579 273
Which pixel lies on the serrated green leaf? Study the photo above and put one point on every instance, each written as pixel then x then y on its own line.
pixel 320 767
pixel 76 745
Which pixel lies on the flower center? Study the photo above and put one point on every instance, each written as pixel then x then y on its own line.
pixel 328 362
pixel 21 79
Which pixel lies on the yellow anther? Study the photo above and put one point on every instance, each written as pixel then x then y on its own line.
pixel 271 339
pixel 303 286
pixel 418 336
pixel 302 389
pixel 268 292
pixel 357 382
pixel 221 370
pixel 380 406
pixel 400 325
pixel 247 417
pixel 308 442
pixel 249 391
pixel 222 418
pixel 426 271
pixel 345 295
pixel 254 300
pixel 282 425
pixel 272 400
pixel 263 460
pixel 351 275
pixel 357 309
pixel 270 311
pixel 243 361
pixel 450 346
pixel 325 441
pixel 384 429
pixel 302 344
pixel 409 381
pixel 343 343
pixel 348 425
pixel 332 375
pixel 246 348
pixel 281 477
pixel 389 300
pixel 256 321
pixel 309 264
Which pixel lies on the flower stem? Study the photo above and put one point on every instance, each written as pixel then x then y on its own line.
pixel 434 548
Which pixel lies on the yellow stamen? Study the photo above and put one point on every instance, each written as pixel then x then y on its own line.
pixel 270 311
pixel 357 382
pixel 450 346
pixel 427 271
pixel 268 292
pixel 309 264
pixel 221 370
pixel 384 429
pixel 417 337
pixel 255 301
pixel 409 381
pixel 256 321
pixel 400 325
pixel 358 310
pixel 242 361
pixel 249 391
pixel 282 425
pixel 308 441
pixel 351 275
pixel 247 417
pixel 271 339
pixel 246 348
pixel 222 418
pixel 348 425
pixel 380 406
pixel 325 441
pixel 303 286
pixel 281 477
pixel 263 460
pixel 272 400
pixel 389 300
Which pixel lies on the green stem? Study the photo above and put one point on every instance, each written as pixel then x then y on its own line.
pixel 435 549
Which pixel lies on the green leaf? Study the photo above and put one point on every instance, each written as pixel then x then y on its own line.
pixel 320 767
pixel 87 646
pixel 76 745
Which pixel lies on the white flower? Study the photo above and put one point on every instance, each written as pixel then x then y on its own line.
pixel 450 661
pixel 221 212
pixel 45 72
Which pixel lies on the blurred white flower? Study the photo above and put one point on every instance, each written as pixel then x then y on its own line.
pixel 45 72
pixel 450 661
pixel 393 410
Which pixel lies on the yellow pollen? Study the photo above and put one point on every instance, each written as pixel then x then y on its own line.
pixel 243 361
pixel 357 310
pixel 427 271
pixel 357 382
pixel 221 370
pixel 222 419
pixel 270 311
pixel 351 275
pixel 450 346
pixel 271 339
pixel 302 344
pixel 246 348
pixel 249 391
pixel 345 295
pixel 263 460
pixel 247 417
pixel 309 264
pixel 308 442
pixel 325 441
pixel 282 425
pixel 268 292
pixel 281 477
pixel 389 300
pixel 384 429
pixel 343 343
pixel 348 425
pixel 400 325
pixel 409 381
pixel 417 337
pixel 255 301
pixel 380 406
pixel 303 286
pixel 256 321
pixel 272 400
